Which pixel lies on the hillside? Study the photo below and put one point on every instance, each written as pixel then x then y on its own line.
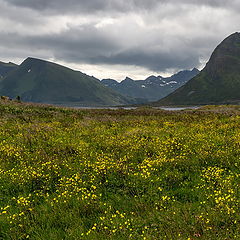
pixel 6 68
pixel 36 80
pixel 218 82
pixel 153 88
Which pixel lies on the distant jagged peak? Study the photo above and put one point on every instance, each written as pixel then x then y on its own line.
pixel 183 73
pixel 195 70
pixel 109 82
pixel 152 77
pixel 128 79
pixel 8 63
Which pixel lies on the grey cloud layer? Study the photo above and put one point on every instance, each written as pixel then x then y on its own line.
pixel 89 45
pixel 83 5
pixel 61 6
pixel 156 34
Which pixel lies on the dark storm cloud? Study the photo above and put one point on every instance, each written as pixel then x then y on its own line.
pixel 95 47
pixel 156 62
pixel 102 49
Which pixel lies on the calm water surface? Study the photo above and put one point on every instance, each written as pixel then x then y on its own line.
pixel 132 108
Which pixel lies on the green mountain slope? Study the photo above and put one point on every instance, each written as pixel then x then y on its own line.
pixel 6 68
pixel 217 83
pixel 36 80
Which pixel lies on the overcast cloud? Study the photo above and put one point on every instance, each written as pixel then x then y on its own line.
pixel 115 38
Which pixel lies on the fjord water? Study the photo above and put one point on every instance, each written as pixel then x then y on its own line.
pixel 132 108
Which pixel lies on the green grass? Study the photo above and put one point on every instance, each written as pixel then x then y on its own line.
pixel 119 174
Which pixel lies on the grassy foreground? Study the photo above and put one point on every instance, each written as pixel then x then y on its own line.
pixel 119 174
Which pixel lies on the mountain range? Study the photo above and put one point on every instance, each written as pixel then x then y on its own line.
pixel 217 83
pixel 153 88
pixel 37 80
pixel 41 81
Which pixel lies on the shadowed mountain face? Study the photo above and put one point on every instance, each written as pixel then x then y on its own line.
pixel 153 88
pixel 41 81
pixel 6 68
pixel 218 82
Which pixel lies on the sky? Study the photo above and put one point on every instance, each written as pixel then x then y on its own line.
pixel 117 38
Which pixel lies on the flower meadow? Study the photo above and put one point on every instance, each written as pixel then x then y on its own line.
pixel 119 174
